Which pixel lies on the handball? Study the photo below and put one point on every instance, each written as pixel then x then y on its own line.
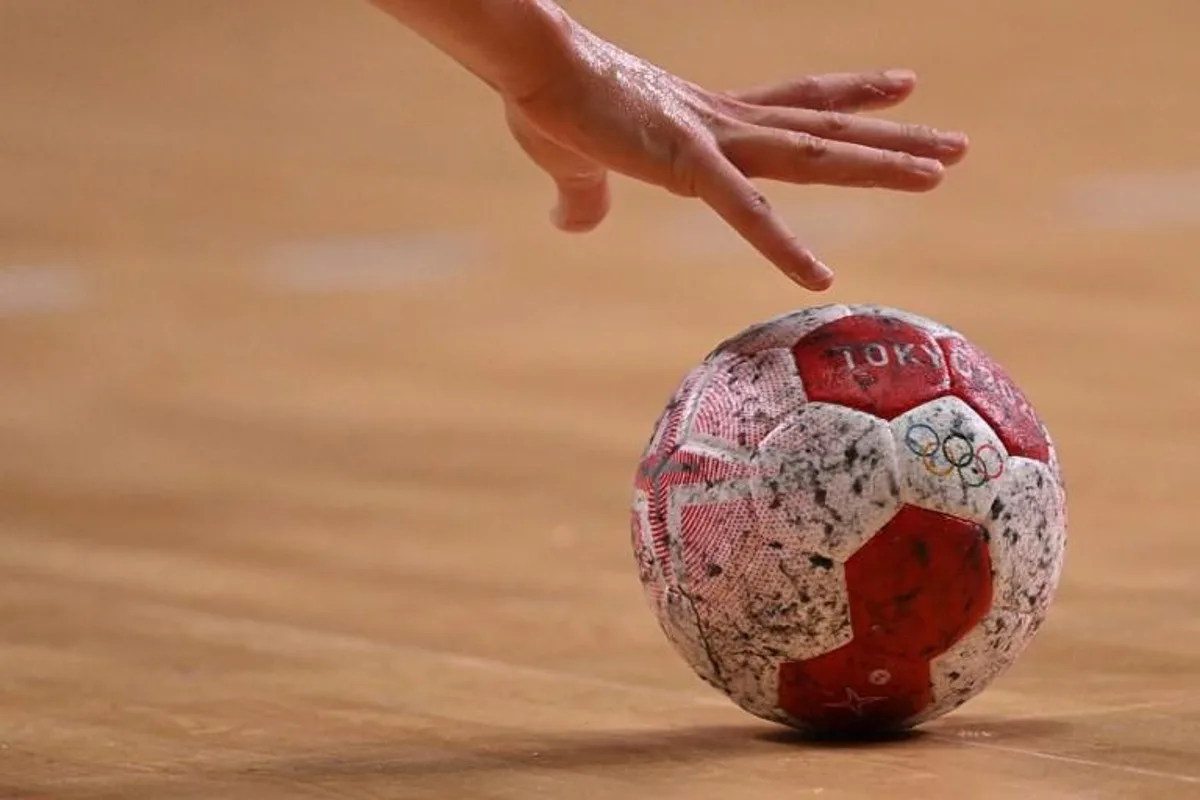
pixel 849 520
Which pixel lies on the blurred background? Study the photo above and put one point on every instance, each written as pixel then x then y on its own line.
pixel 285 332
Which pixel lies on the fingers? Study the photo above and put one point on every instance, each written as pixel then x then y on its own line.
pixel 949 147
pixel 796 157
pixel 845 91
pixel 583 202
pixel 735 199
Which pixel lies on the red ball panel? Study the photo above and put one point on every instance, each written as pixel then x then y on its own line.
pixel 853 689
pixel 986 387
pixel 879 365
pixel 920 584
pixel 917 587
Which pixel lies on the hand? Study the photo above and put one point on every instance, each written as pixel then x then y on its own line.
pixel 609 110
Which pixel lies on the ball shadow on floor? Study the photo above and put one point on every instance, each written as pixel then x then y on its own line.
pixel 833 741
pixel 965 729
pixel 564 751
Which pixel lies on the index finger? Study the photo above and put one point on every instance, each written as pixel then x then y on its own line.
pixel 838 91
pixel 744 208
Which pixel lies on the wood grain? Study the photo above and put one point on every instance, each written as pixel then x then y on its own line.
pixel 268 535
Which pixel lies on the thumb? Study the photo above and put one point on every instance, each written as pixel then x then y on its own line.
pixel 583 193
pixel 583 201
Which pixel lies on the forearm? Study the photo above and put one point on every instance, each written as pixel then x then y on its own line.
pixel 512 45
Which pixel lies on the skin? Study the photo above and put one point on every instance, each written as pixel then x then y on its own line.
pixel 581 107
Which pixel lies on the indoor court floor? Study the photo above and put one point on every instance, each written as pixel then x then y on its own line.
pixel 317 440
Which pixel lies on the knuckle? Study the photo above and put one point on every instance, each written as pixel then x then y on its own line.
pixel 906 162
pixel 888 164
pixel 807 86
pixel 757 205
pixel 919 134
pixel 816 92
pixel 837 123
pixel 808 146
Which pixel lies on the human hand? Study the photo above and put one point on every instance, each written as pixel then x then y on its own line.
pixel 610 110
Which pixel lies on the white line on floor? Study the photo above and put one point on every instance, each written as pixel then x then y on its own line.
pixel 257 630
pixel 1082 762
pixel 1136 200
pixel 38 290
pixel 247 630
pixel 368 264
pixel 268 631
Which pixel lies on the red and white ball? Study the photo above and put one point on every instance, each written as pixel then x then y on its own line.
pixel 849 519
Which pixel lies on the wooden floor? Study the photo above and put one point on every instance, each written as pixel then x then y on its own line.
pixel 317 440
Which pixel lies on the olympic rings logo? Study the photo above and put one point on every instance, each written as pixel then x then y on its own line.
pixel 944 455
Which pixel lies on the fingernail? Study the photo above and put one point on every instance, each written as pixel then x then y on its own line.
pixel 902 76
pixel 822 276
pixel 562 220
pixel 952 141
pixel 929 166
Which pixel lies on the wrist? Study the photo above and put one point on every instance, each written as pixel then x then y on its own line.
pixel 515 46
pixel 541 41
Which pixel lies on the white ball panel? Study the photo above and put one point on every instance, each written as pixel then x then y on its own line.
pixel 800 611
pixel 788 611
pixel 967 668
pixel 772 600
pixel 1028 537
pixel 681 623
pixel 1053 463
pixel 651 571
pixel 950 459
pixel 756 687
pixel 828 479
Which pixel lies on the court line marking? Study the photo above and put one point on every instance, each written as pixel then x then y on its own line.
pixel 369 264
pixel 315 637
pixel 1135 200
pixel 1082 762
pixel 341 641
pixel 495 666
